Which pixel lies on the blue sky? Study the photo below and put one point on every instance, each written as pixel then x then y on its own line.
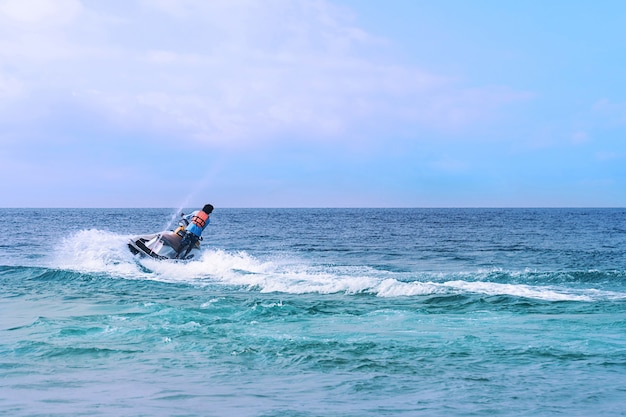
pixel 297 103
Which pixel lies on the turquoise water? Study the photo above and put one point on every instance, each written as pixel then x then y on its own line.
pixel 298 312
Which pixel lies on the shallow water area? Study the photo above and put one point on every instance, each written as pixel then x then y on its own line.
pixel 349 312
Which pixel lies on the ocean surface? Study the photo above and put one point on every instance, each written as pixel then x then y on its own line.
pixel 316 312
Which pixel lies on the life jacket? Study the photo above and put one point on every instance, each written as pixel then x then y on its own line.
pixel 200 219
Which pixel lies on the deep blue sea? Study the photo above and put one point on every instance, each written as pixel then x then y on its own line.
pixel 316 312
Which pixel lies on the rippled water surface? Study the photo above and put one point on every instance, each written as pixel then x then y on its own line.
pixel 316 312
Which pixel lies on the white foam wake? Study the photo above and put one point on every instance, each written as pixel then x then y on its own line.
pixel 96 251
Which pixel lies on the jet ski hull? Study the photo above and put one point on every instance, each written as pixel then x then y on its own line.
pixel 161 246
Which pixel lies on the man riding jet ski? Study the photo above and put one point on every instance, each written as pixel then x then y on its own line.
pixel 182 243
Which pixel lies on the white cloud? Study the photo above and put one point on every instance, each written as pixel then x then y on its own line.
pixel 10 87
pixel 230 72
pixel 612 112
pixel 456 107
pixel 39 14
pixel 607 155
pixel 580 137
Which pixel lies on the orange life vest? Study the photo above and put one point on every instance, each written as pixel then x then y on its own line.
pixel 200 219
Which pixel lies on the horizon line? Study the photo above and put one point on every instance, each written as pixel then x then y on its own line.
pixel 313 207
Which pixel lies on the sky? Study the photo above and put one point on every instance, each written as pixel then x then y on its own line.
pixel 312 103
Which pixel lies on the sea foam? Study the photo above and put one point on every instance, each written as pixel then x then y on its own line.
pixel 97 251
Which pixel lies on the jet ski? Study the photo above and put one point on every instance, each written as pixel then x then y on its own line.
pixel 162 245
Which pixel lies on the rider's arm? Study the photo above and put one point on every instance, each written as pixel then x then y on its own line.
pixel 187 217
